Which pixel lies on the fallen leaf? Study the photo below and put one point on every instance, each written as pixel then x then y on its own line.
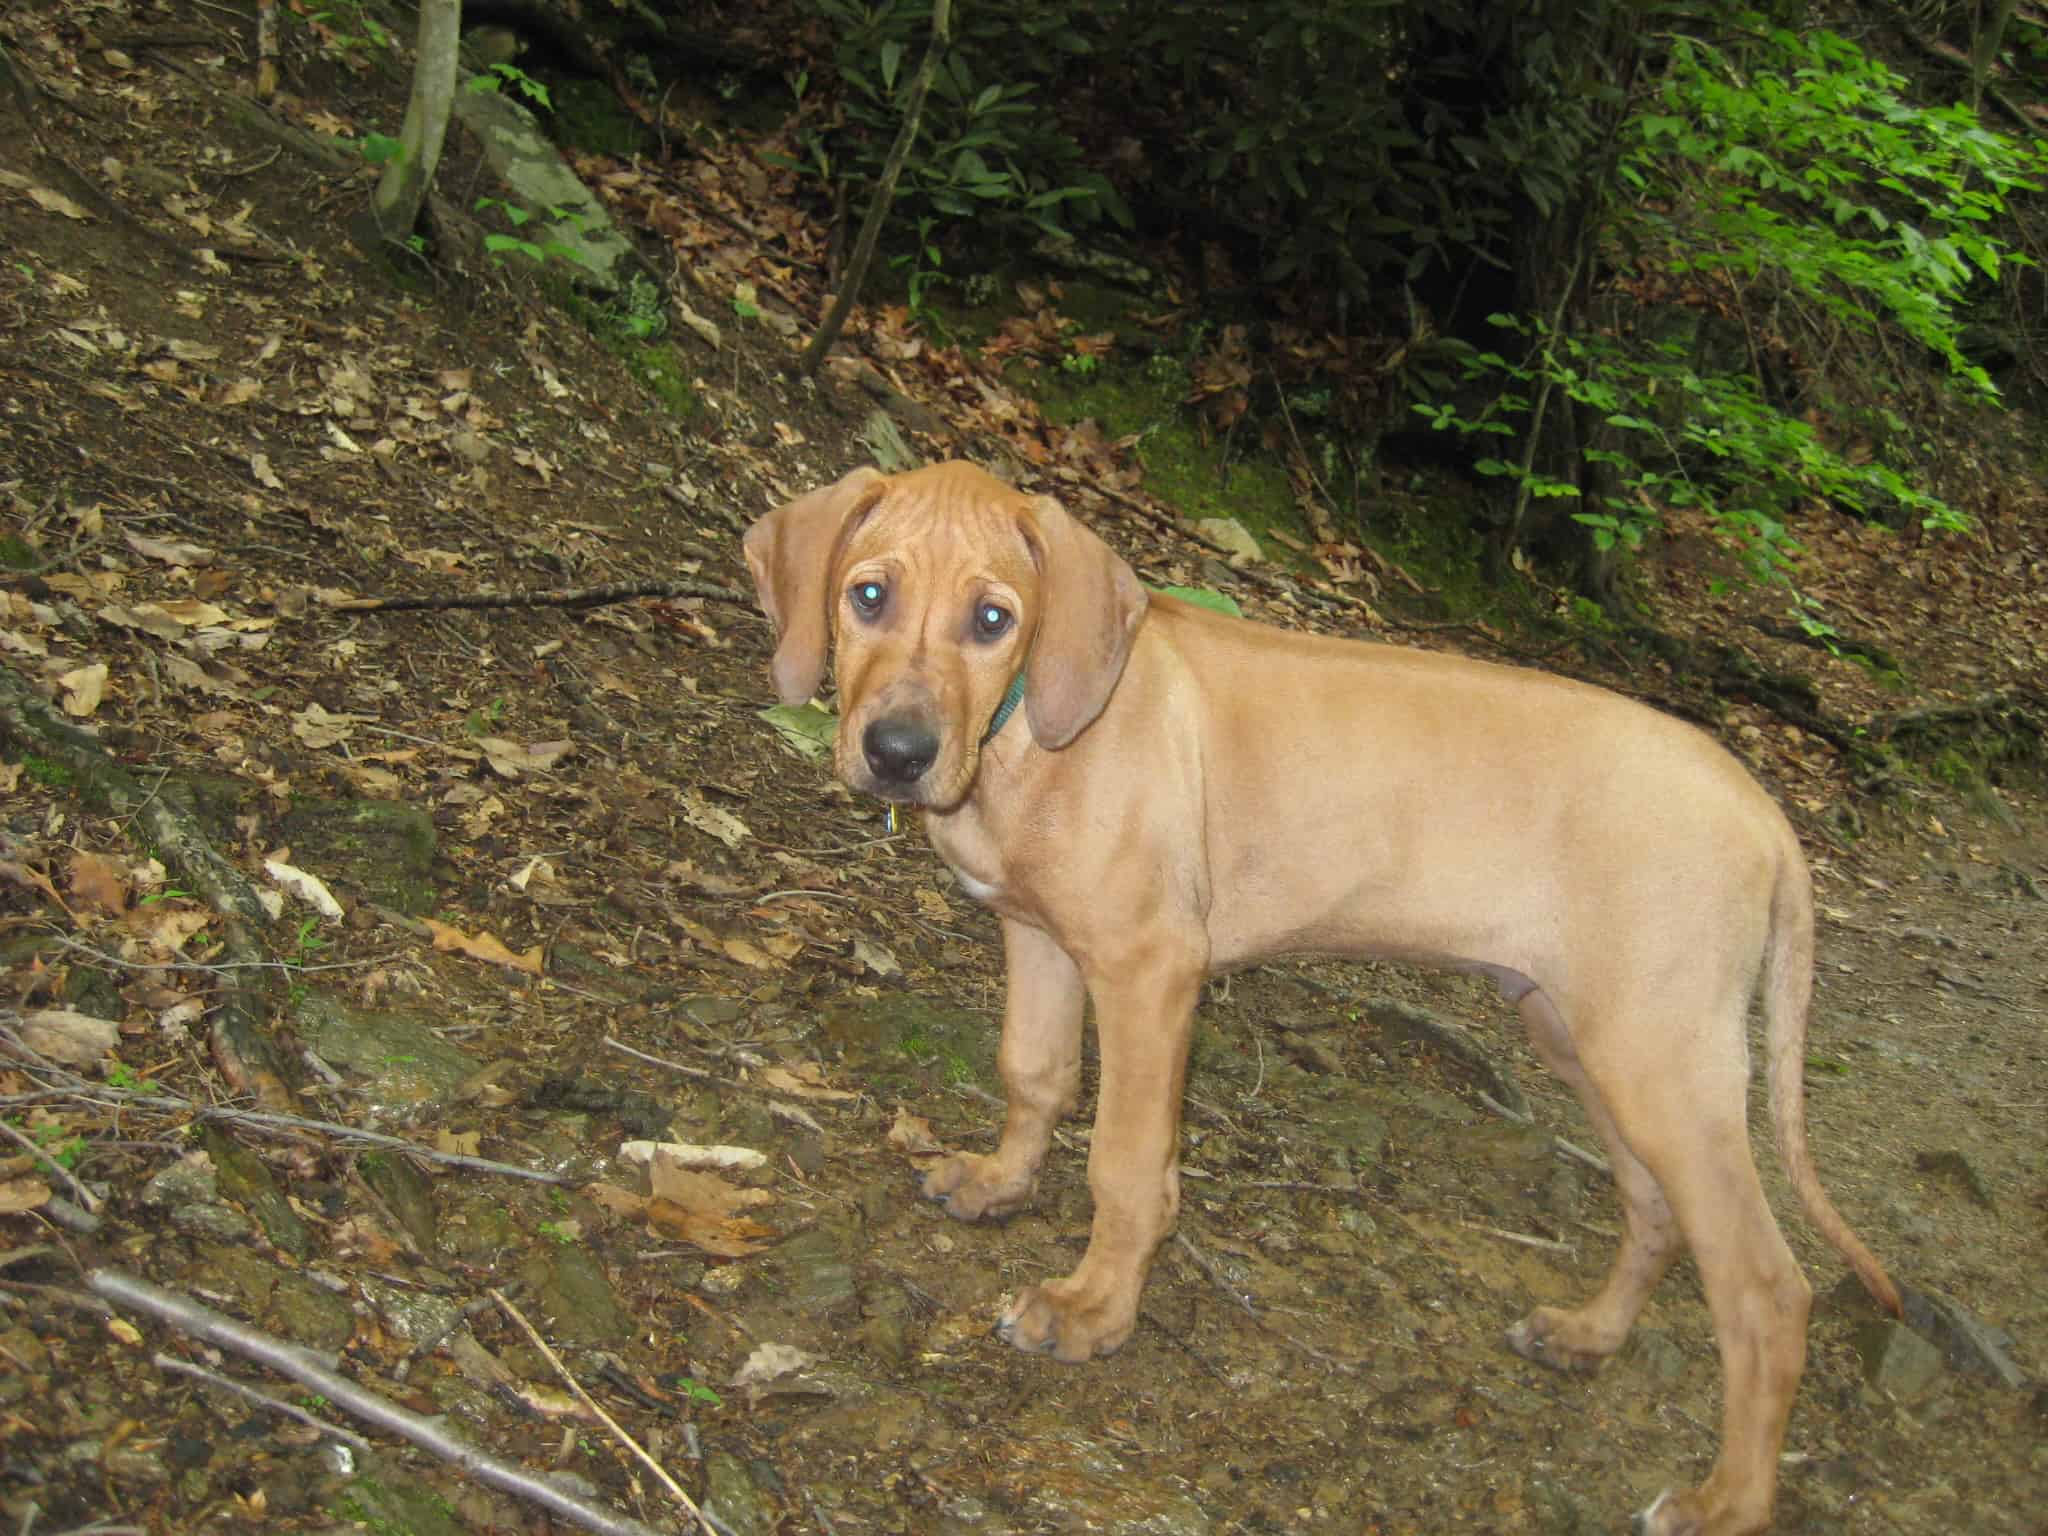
pixel 690 877
pixel 83 689
pixel 484 947
pixel 711 819
pixel 683 1154
pixel 770 1361
pixel 877 958
pixel 259 466
pixel 98 882
pixel 17 1195
pixel 912 1135
pixel 57 202
pixel 317 728
pixel 308 888
pixel 63 1034
pixel 804 729
pixel 168 551
pixel 746 952
pixel 806 1082
pixel 509 759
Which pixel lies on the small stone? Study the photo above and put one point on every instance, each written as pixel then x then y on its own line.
pixel 212 1221
pixel 1898 1362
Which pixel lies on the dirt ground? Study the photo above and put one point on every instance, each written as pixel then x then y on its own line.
pixel 1321 1351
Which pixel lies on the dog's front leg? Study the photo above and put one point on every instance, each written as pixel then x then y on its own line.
pixel 1144 1014
pixel 1040 1063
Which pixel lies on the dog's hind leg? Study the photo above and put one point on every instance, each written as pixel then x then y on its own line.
pixel 1670 1104
pixel 1580 1338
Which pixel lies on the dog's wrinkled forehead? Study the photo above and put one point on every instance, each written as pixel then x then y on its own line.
pixel 938 531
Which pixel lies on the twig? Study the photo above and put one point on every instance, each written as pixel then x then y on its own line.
pixel 164 1362
pixel 1547 1244
pixel 567 597
pixel 1214 1271
pixel 662 1061
pixel 262 1119
pixel 86 1197
pixel 302 1366
pixel 589 1402
pixel 1577 1154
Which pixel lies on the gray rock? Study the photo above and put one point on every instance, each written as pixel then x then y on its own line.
pixel 397 1061
pixel 381 848
pixel 1965 1341
pixel 732 1495
pixel 212 1221
pixel 1897 1361
pixel 566 213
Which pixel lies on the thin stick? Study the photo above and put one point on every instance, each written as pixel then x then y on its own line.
pixel 662 1061
pixel 1548 1245
pixel 661 1473
pixel 165 1362
pixel 304 1367
pixel 571 597
pixel 86 1197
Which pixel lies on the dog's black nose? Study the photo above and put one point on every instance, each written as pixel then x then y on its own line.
pixel 899 751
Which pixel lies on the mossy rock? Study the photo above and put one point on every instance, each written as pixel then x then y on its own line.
pixel 381 848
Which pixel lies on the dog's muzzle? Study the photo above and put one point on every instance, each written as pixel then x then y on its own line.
pixel 899 750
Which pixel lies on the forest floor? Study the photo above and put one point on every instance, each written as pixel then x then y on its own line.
pixel 219 421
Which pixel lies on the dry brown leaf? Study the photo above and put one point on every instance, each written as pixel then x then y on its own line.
pixel 63 1034
pixel 484 947
pixel 57 202
pixel 510 759
pixel 912 1135
pixel 168 551
pixel 17 1195
pixel 314 726
pixel 98 882
pixel 690 877
pixel 83 689
pixel 714 820
pixel 807 1081
pixel 746 952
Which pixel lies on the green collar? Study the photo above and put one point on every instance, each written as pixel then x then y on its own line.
pixel 1005 709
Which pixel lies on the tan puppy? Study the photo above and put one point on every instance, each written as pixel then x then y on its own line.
pixel 1186 792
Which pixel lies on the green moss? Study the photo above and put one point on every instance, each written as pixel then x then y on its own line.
pixel 49 774
pixel 16 553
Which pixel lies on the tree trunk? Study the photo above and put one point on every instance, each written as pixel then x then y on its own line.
pixel 403 190
pixel 885 194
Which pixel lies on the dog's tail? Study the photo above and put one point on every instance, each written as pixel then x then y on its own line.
pixel 1787 995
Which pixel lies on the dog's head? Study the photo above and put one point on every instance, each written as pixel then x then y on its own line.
pixel 934 591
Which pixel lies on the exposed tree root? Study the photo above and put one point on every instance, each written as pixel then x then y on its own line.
pixel 239 1037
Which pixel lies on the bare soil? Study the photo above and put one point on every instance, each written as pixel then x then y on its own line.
pixel 1323 1351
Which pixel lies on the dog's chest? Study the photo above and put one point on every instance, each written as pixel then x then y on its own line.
pixel 972 853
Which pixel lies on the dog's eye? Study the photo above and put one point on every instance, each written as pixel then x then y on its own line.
pixel 868 596
pixel 992 621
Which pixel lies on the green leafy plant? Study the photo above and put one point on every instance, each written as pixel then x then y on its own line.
pixel 519 216
pixel 502 76
pixel 990 153
pixel 1791 170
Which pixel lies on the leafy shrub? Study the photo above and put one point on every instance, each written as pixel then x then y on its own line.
pixel 988 149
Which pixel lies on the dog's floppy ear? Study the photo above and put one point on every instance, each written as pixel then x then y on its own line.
pixel 791 552
pixel 1092 603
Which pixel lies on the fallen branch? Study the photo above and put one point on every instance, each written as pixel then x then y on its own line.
pixel 128 1098
pixel 238 1037
pixel 302 1366
pixel 571 597
pixel 660 1472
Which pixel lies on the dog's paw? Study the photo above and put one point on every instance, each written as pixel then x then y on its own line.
pixel 974 1188
pixel 1553 1338
pixel 1058 1319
